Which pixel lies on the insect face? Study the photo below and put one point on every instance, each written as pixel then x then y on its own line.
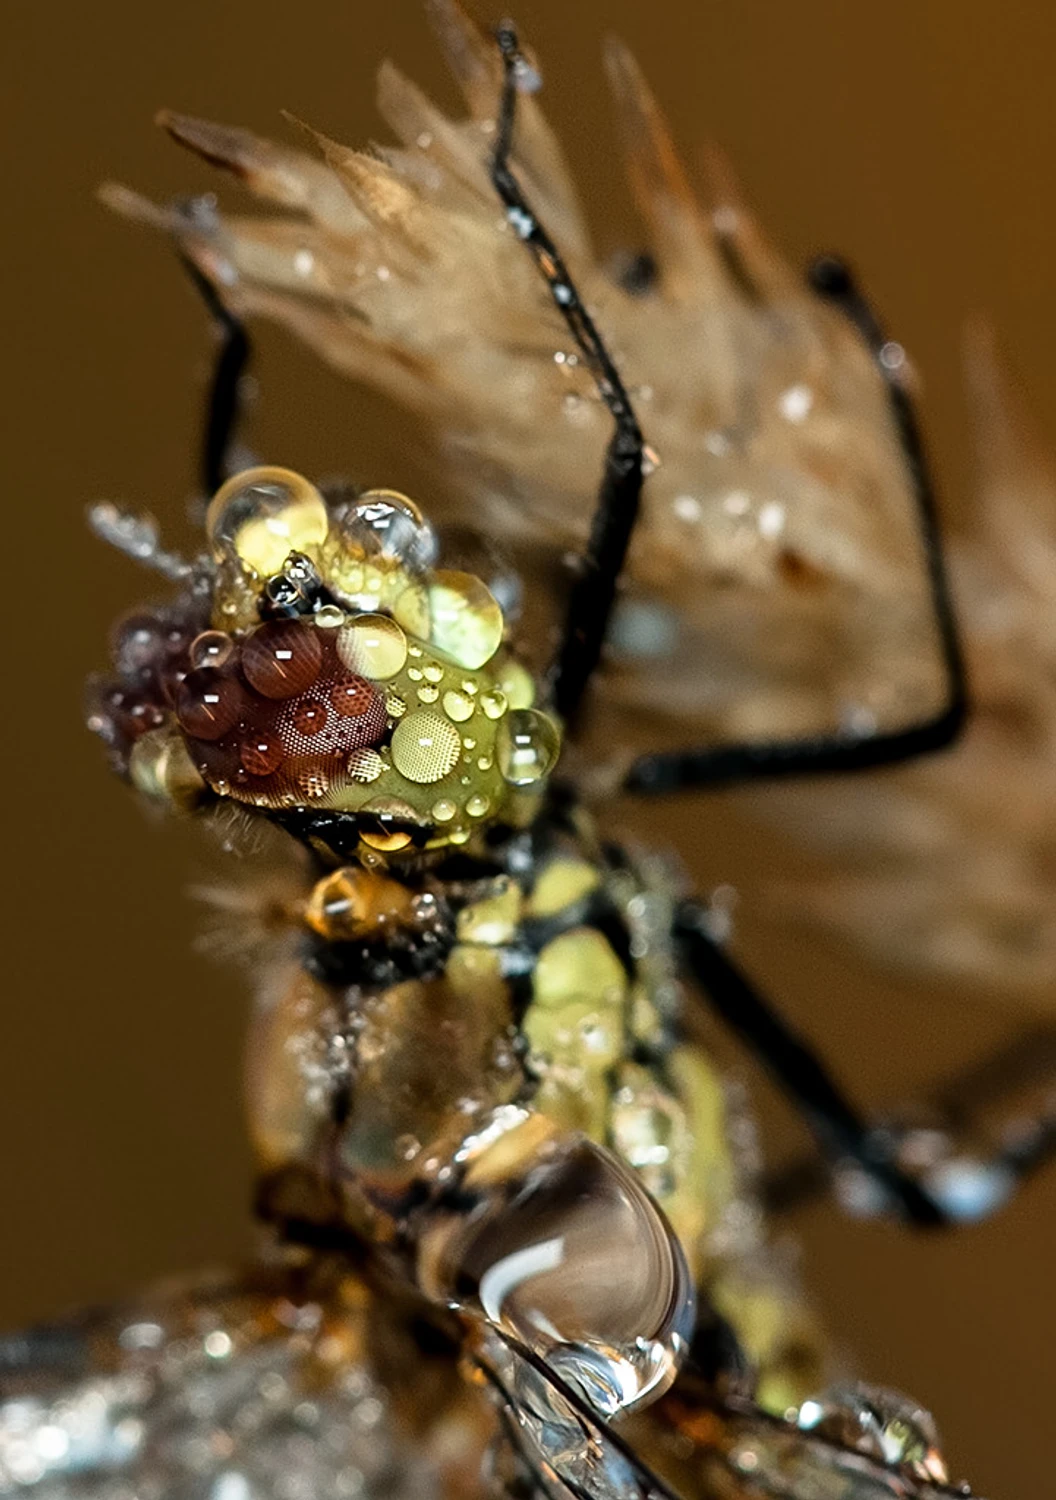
pixel 322 669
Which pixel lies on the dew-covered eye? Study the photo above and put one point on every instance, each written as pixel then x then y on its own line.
pixel 264 514
pixel 209 703
pixel 320 664
pixel 282 658
pixel 282 720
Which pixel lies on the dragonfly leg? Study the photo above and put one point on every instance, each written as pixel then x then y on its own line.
pixel 979 1135
pixel 840 1129
pixel 594 591
pixel 223 406
pixel 730 764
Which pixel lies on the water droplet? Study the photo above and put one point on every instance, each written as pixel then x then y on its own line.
pixel 527 746
pixel 329 617
pixel 573 1258
pixel 264 514
pixel 313 782
pixel 211 649
pixel 365 765
pixel 494 703
pixel 386 524
pixel 385 839
pixel 261 754
pixel 425 747
pixel 458 706
pixel 208 703
pixel 880 1423
pixel 464 619
pixel 282 658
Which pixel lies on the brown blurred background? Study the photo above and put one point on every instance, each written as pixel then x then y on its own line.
pixel 916 137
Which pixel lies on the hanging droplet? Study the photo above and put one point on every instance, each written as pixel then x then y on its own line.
pixel 264 514
pixel 527 746
pixel 573 1258
pixel 388 811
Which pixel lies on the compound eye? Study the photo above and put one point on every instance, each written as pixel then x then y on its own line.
pixel 209 703
pixel 264 514
pixel 282 658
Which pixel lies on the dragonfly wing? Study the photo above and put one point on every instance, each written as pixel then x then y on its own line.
pixel 279 1385
pixel 693 1445
pixel 776 581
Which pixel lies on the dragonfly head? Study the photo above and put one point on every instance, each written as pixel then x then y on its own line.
pixel 321 668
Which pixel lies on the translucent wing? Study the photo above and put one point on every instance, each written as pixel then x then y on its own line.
pixel 776 581
pixel 283 1384
pixel 689 1447
pixel 776 584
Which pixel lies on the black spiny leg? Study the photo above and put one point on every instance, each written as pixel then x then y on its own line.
pixel 594 592
pixel 727 764
pixel 979 1134
pixel 839 1129
pixel 224 402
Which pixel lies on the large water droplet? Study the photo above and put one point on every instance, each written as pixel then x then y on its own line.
pixel 574 1259
pixel 263 515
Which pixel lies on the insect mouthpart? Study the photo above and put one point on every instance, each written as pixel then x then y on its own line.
pixel 320 668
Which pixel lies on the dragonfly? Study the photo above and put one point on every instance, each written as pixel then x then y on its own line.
pixel 513 1233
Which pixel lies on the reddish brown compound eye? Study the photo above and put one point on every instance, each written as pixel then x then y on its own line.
pixel 309 717
pixel 261 753
pixel 208 704
pixel 353 697
pixel 282 658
